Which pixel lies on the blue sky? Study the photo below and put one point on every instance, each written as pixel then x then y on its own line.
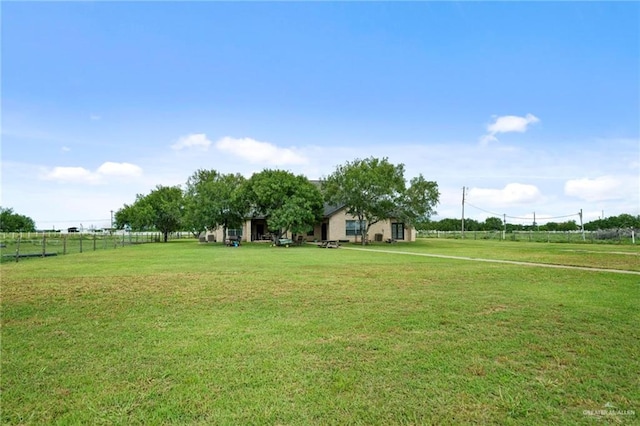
pixel 534 107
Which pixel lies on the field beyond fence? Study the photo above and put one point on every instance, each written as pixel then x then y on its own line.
pixel 611 236
pixel 15 246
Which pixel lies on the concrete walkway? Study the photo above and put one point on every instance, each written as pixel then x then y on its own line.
pixel 510 262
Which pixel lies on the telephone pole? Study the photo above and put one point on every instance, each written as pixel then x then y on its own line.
pixel 534 220
pixel 463 193
pixel 504 226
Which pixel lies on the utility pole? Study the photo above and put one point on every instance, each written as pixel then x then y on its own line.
pixel 534 220
pixel 504 229
pixel 581 225
pixel 111 225
pixel 463 193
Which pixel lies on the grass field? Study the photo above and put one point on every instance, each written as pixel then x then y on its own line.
pixel 188 333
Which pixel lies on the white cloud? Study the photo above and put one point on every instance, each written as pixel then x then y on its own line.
pixel 508 124
pixel 94 117
pixel 487 139
pixel 119 169
pixel 195 140
pixel 511 194
pixel 257 152
pixel 81 175
pixel 598 189
pixel 66 149
pixel 512 123
pixel 70 174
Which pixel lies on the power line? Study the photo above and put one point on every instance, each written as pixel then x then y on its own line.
pixel 486 211
pixel 562 217
pixel 518 217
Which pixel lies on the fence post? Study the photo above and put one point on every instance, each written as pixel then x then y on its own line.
pixel 80 242
pixel 94 242
pixel 122 238
pixel 44 244
pixel 64 244
pixel 18 250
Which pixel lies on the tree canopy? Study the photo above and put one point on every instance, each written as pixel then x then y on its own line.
pixel 213 200
pixel 419 201
pixel 14 222
pixel 288 202
pixel 161 209
pixel 614 222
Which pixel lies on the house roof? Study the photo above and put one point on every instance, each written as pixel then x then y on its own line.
pixel 330 210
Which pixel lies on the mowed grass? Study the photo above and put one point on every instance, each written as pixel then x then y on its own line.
pixel 188 333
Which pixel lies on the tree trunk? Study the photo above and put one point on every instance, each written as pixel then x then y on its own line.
pixel 363 230
pixel 166 236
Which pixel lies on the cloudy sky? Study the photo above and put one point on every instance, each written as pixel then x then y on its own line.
pixel 534 106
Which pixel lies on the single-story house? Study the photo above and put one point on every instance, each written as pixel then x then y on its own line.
pixel 336 224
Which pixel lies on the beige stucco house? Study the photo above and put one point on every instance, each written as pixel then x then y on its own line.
pixel 336 224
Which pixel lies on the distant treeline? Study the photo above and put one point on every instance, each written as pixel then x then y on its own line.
pixel 623 221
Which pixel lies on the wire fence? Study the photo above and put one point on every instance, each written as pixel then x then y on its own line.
pixel 613 236
pixel 16 246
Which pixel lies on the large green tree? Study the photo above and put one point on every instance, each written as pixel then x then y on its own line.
pixel 288 202
pixel 161 209
pixel 212 200
pixel 126 216
pixel 492 224
pixel 418 202
pixel 14 222
pixel 624 220
pixel 374 189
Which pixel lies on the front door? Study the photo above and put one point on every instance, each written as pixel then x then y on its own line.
pixel 397 231
pixel 323 231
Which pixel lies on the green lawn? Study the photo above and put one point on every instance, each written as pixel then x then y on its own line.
pixel 188 333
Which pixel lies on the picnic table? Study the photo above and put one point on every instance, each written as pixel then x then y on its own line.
pixel 330 244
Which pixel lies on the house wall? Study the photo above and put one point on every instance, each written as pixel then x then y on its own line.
pixel 246 232
pixel 317 233
pixel 336 229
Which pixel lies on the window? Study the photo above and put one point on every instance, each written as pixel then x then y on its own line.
pixel 355 227
pixel 234 232
pixel 397 231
